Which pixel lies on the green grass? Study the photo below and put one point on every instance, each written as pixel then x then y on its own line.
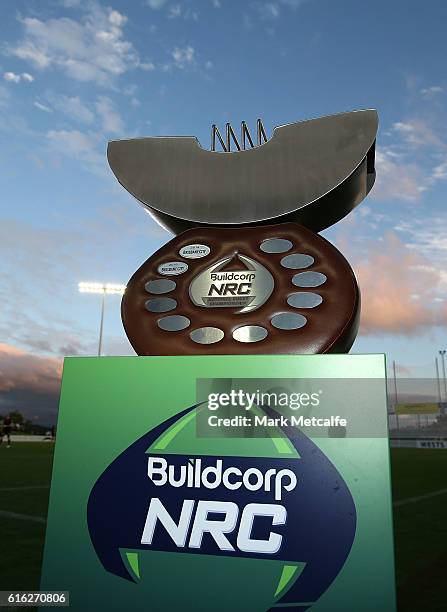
pixel 21 541
pixel 420 527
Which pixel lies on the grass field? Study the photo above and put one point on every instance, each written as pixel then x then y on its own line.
pixel 420 521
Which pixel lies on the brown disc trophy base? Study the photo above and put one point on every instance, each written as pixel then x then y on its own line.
pixel 310 305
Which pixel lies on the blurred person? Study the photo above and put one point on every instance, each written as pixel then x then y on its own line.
pixel 6 431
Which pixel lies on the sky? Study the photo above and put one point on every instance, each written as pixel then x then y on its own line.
pixel 77 73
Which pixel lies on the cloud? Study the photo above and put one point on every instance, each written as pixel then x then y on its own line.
pixel 117 19
pixel 398 290
pixel 71 141
pixel 92 48
pixel 268 10
pixel 12 77
pixel 183 56
pixel 111 120
pixel 81 146
pixel 271 10
pixel 175 11
pixel 415 161
pixel 29 384
pixel 41 309
pixel 38 261
pixel 42 107
pixel 86 146
pixel 155 4
pixel 427 235
pixel 418 133
pixel 396 179
pixel 73 107
pixel 22 370
pixel 439 172
pixel 430 92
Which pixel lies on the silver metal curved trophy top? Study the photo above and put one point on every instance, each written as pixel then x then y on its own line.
pixel 312 172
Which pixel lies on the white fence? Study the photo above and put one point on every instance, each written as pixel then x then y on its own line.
pixel 29 438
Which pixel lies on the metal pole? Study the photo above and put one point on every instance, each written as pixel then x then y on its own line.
pixel 395 394
pixel 101 325
pixel 438 381
pixel 442 353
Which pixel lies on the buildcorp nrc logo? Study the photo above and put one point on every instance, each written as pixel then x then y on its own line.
pixel 290 505
pixel 217 517
pixel 231 283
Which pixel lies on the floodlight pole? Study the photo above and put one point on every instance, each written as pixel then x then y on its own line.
pixel 438 381
pixel 442 353
pixel 101 325
pixel 395 394
pixel 101 289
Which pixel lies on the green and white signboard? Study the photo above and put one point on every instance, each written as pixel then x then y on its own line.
pixel 223 483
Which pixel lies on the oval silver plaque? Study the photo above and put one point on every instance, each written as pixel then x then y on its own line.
pixel 194 251
pixel 250 333
pixel 174 323
pixel 288 320
pixel 172 268
pixel 297 261
pixel 245 288
pixel 275 245
pixel 161 304
pixel 160 285
pixel 304 299
pixel 309 279
pixel 206 335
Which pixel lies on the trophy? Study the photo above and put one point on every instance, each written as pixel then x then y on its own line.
pixel 247 272
pixel 233 483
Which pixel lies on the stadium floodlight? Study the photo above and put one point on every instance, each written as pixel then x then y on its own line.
pixel 101 289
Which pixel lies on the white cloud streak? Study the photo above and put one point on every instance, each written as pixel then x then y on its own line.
pixel 111 120
pixel 74 108
pixel 429 92
pixel 81 146
pixel 92 48
pixel 395 178
pixel 418 133
pixel 42 107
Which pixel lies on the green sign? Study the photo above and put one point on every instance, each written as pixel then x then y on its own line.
pixel 286 507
